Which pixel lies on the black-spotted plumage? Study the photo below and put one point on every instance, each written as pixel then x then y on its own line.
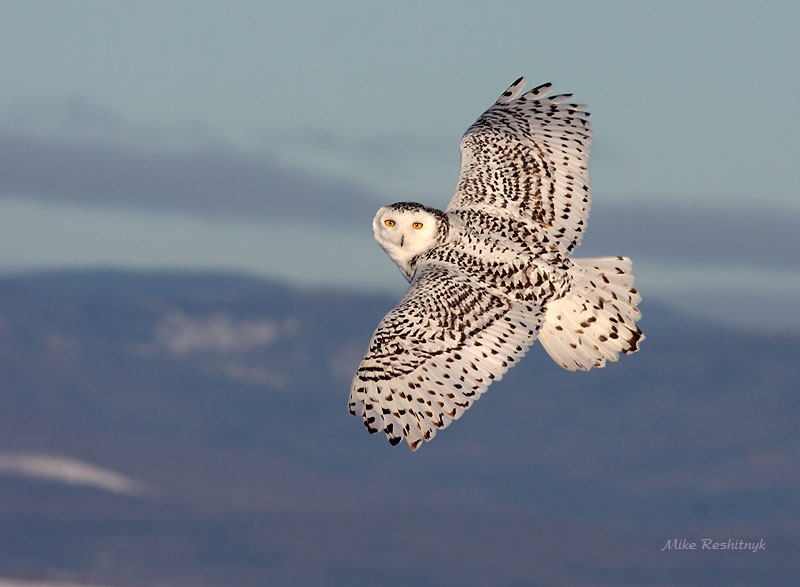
pixel 492 272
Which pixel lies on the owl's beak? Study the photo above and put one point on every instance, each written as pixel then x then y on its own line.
pixel 402 240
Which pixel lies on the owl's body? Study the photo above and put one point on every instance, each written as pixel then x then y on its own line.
pixel 492 272
pixel 485 255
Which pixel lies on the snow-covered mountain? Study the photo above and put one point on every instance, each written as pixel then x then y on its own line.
pixel 203 419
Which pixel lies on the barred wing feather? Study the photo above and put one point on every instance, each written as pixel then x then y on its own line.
pixel 526 158
pixel 437 351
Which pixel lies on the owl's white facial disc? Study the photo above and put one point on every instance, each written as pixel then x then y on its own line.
pixel 404 232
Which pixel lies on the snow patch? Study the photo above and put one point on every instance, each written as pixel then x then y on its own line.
pixel 8 582
pixel 183 335
pixel 66 470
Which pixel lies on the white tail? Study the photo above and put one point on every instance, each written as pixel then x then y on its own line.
pixel 596 320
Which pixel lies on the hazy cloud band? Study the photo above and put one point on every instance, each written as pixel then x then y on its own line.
pixel 221 180
pixel 210 180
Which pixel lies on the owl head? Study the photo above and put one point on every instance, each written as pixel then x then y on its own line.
pixel 406 229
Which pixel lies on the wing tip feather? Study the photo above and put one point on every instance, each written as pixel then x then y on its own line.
pixel 512 91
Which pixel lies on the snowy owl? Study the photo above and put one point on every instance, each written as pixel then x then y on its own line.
pixel 492 273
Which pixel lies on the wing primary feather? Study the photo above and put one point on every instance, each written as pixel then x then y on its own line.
pixel 512 91
pixel 508 159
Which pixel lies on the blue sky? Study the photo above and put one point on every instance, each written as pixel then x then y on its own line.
pixel 262 136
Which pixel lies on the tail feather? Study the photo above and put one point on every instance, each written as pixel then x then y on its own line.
pixel 596 320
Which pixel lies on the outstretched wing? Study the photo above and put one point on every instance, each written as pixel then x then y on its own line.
pixel 433 355
pixel 526 159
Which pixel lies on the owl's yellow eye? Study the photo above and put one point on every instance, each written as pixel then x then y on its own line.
pixel 389 222
pixel 417 225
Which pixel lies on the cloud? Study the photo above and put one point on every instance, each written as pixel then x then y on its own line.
pixel 698 235
pixel 214 179
pixel 103 160
pixel 66 470
pixel 382 149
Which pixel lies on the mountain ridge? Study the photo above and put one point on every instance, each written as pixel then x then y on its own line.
pixel 226 396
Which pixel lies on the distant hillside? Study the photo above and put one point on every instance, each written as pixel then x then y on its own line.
pixel 224 398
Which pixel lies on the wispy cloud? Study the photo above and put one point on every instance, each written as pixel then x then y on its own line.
pixel 67 470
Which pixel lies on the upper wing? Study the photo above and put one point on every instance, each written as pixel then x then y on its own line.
pixel 526 158
pixel 447 339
